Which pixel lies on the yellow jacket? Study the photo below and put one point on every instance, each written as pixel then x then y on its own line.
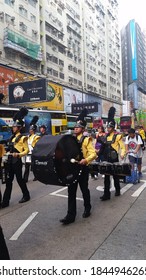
pixel 32 140
pixel 142 133
pixel 88 150
pixel 118 145
pixel 21 145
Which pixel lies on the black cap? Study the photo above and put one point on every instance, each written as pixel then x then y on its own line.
pixel 18 123
pixel 33 127
pixel 81 120
pixel 111 124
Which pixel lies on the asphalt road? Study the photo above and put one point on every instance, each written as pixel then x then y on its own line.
pixel 115 230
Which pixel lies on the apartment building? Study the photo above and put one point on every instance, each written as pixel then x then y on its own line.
pixel 133 44
pixel 74 43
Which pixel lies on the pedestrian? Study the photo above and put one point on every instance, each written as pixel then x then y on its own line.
pixel 99 145
pixel 32 140
pixel 133 144
pixel 43 130
pixel 89 154
pixel 4 253
pixel 113 144
pixel 17 148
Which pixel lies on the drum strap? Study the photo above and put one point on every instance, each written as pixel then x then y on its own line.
pixel 82 140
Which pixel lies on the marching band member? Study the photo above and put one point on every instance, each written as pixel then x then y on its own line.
pixel 89 154
pixel 17 148
pixel 113 144
pixel 32 140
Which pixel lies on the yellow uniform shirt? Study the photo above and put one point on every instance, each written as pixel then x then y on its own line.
pixel 88 150
pixel 118 145
pixel 21 146
pixel 142 134
pixel 33 139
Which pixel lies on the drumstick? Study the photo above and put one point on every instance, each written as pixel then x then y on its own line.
pixel 72 160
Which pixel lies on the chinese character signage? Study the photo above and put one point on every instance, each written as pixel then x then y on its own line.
pixel 91 107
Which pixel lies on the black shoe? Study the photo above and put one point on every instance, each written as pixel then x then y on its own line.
pixel 117 193
pixel 105 197
pixel 4 205
pixel 24 199
pixel 34 179
pixel 67 220
pixel 86 214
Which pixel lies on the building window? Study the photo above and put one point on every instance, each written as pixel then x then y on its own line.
pixel 10 2
pixel 33 18
pixel 61 75
pixel 32 3
pixel 55 73
pixel 22 11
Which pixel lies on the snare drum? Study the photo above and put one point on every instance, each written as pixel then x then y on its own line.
pixel 122 169
pixel 105 168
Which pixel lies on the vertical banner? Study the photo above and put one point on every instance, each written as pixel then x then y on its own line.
pixel 133 50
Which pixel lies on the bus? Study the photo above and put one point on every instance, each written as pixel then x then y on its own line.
pixel 125 123
pixel 55 121
pixel 71 121
pixel 5 132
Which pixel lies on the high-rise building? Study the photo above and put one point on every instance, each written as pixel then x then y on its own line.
pixel 74 43
pixel 134 65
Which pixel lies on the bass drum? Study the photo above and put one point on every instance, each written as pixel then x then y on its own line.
pixel 51 160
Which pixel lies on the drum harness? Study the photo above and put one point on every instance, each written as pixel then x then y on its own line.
pixel 109 152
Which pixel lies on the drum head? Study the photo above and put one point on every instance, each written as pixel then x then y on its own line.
pixel 67 148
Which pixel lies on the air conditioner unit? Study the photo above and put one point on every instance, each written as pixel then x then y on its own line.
pixel 35 32
pixel 21 23
pixel 12 18
pixel 21 6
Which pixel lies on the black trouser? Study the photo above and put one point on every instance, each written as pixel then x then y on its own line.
pixel 15 169
pixel 107 184
pixel 26 172
pixel 72 189
pixel 4 254
pixel 0 197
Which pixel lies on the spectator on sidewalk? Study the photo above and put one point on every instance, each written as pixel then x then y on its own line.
pixel 133 144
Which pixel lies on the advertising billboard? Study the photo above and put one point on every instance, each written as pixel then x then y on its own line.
pixel 133 50
pixel 54 98
pixel 26 92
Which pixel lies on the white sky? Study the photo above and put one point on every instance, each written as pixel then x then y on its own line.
pixel 132 9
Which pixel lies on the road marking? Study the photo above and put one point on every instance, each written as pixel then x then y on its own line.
pixel 139 190
pixel 143 168
pixel 126 188
pixel 57 193
pixel 16 235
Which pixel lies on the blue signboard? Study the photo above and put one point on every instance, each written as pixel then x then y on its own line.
pixel 133 50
